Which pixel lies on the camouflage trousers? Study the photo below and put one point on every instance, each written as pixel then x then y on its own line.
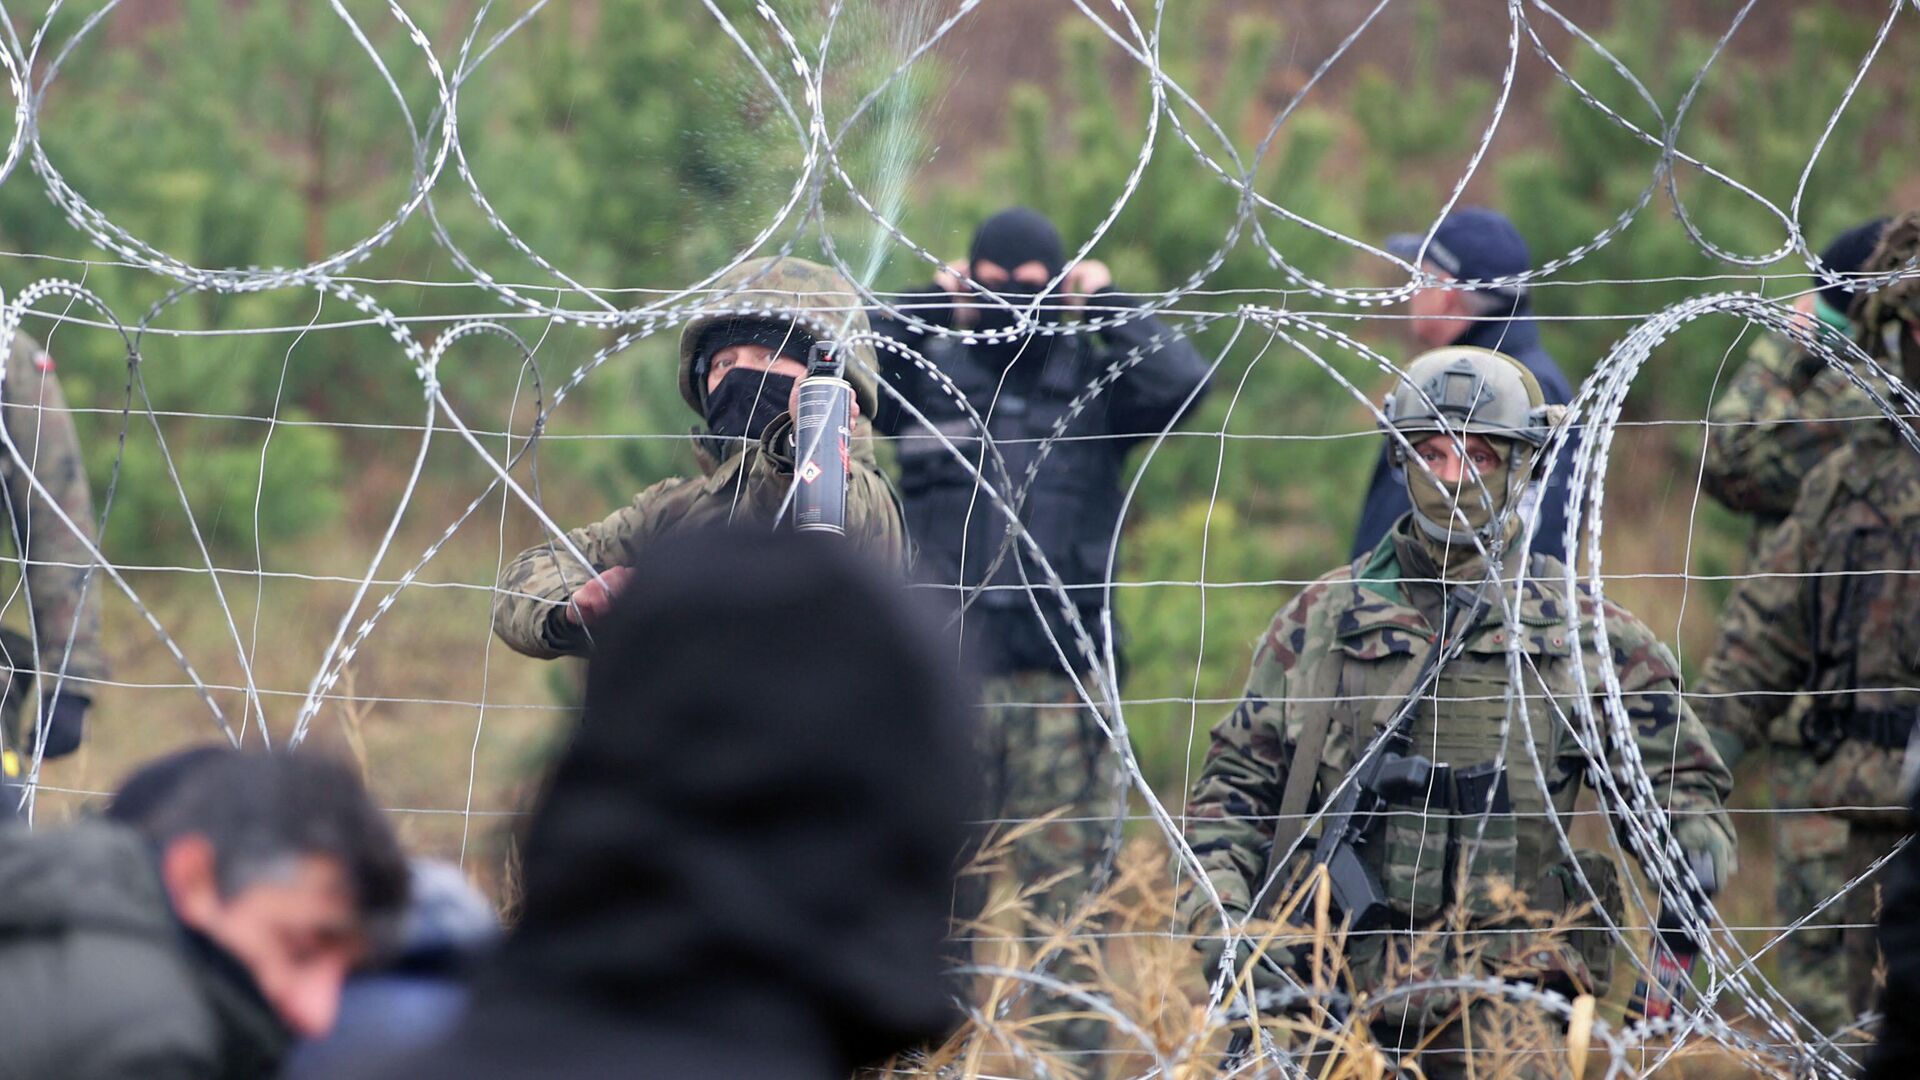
pixel 1809 865
pixel 1044 754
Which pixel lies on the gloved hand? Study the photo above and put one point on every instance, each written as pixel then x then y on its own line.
pixel 63 720
pixel 1266 973
pixel 1709 851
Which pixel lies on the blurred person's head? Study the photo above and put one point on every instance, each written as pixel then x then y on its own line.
pixel 1844 254
pixel 761 811
pixel 153 783
pixel 1472 244
pixel 280 859
pixel 1016 250
pixel 1888 319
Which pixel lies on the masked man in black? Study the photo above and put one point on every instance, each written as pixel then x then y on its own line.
pixel 1044 751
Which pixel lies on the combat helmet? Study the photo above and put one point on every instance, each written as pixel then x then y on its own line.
pixel 1462 390
pixel 816 301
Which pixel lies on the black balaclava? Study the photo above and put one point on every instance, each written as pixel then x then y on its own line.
pixel 1012 238
pixel 749 844
pixel 1846 254
pixel 746 401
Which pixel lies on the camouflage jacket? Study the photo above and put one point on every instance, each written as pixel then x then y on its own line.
pixel 747 488
pixel 62 588
pixel 1783 413
pixel 1340 653
pixel 1833 607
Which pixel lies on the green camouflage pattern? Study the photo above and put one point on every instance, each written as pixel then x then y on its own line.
pixel 1045 755
pixel 1831 605
pixel 1832 611
pixel 61 594
pixel 1784 412
pixel 746 488
pixel 1810 864
pixel 1336 654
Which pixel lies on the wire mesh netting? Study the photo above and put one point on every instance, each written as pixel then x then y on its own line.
pixel 350 304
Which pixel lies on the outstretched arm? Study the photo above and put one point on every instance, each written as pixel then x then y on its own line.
pixel 534 609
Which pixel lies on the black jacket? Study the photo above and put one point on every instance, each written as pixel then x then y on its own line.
pixel 1518 337
pixel 98 981
pixel 1073 507
pixel 742 868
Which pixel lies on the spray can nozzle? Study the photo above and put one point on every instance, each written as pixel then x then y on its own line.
pixel 822 430
pixel 824 359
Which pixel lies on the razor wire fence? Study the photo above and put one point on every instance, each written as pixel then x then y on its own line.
pixel 517 422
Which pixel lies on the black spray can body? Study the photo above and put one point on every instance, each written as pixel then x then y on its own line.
pixel 822 435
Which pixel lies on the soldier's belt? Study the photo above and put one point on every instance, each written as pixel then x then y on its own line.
pixel 1890 728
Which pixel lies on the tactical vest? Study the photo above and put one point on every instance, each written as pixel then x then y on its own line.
pixel 1071 510
pixel 1863 604
pixel 1430 853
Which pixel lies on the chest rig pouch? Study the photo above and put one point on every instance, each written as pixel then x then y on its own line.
pixel 1476 853
pixel 1071 508
pixel 1478 836
pixel 1865 614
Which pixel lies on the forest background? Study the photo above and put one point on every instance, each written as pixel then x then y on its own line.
pixel 632 145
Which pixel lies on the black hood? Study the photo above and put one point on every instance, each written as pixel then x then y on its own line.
pixel 1017 236
pixel 751 839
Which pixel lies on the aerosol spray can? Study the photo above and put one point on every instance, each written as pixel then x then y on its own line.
pixel 822 431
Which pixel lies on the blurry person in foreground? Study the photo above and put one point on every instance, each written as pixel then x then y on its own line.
pixel 415 992
pixel 743 864
pixel 199 940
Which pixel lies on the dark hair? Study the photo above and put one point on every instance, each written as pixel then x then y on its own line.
pixel 149 786
pixel 259 809
pixel 1847 254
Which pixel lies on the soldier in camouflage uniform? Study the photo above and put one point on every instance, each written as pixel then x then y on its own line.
pixel 1833 610
pixel 1046 753
pixel 1784 412
pixel 1343 657
pixel 1786 409
pixel 737 372
pixel 62 592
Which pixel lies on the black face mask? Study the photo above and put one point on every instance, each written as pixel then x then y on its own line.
pixel 742 406
pixel 1018 295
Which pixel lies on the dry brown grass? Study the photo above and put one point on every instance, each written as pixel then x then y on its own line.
pixel 1131 959
pixel 390 714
